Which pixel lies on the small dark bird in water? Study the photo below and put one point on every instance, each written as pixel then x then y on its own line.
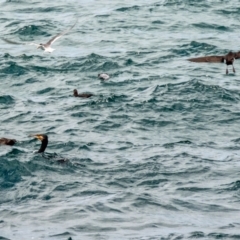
pixel 228 59
pixel 6 141
pixel 44 139
pixel 82 95
pixel 103 76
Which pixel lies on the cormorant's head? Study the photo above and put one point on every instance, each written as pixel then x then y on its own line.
pixel 75 92
pixel 40 137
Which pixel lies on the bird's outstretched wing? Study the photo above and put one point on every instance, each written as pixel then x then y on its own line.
pixel 237 55
pixel 19 43
pixel 52 40
pixel 213 59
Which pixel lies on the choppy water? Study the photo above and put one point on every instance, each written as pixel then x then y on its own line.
pixel 154 154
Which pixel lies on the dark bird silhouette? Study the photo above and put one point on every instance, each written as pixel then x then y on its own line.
pixel 6 141
pixel 44 139
pixel 228 59
pixel 82 95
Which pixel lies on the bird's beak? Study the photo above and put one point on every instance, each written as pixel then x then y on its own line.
pixel 39 137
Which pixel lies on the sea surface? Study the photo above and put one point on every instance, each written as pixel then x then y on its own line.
pixel 154 154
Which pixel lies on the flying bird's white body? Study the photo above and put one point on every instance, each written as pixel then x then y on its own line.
pixel 46 49
pixel 49 50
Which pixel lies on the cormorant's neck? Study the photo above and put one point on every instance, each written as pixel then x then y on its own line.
pixel 43 146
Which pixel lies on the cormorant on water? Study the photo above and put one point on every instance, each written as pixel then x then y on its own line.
pixel 82 95
pixel 7 141
pixel 228 59
pixel 44 139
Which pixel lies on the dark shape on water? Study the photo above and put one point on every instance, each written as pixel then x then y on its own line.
pixel 103 76
pixel 82 95
pixel 228 59
pixel 44 139
pixel 7 141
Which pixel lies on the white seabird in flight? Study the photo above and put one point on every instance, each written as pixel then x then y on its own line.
pixel 44 46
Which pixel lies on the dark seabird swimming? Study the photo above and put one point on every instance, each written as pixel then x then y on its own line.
pixel 228 59
pixel 44 139
pixel 82 95
pixel 44 46
pixel 7 141
pixel 103 76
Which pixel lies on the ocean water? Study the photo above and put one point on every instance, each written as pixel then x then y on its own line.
pixel 154 154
